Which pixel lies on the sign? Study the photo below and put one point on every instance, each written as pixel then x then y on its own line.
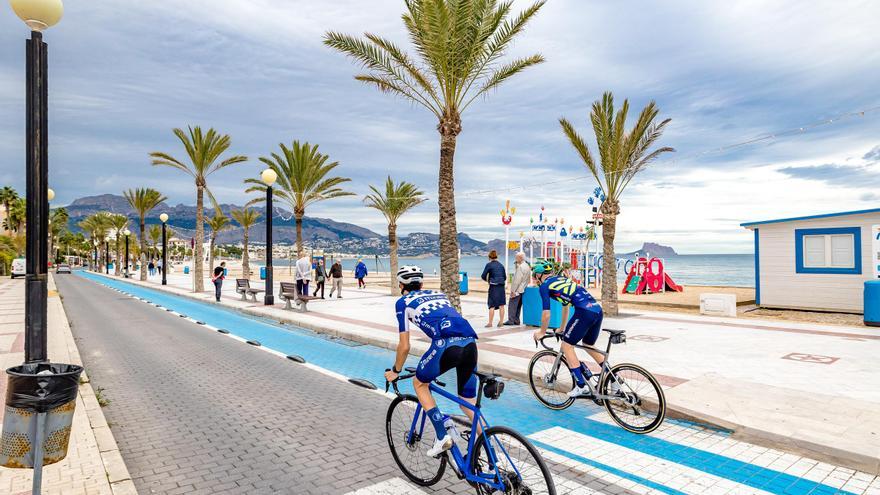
pixel 598 216
pixel 875 253
pixel 512 245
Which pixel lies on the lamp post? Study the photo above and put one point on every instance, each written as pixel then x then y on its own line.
pixel 38 15
pixel 164 218
pixel 126 233
pixel 107 256
pixel 269 177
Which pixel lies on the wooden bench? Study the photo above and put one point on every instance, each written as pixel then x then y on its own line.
pixel 289 293
pixel 243 287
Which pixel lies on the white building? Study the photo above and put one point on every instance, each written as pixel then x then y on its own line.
pixel 818 262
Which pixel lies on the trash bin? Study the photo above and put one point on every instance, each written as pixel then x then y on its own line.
pixel 462 283
pixel 186 270
pixel 262 273
pixel 40 401
pixel 872 303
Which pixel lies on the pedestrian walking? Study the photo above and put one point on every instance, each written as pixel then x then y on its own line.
pixel 303 275
pixel 217 279
pixel 522 274
pixel 151 268
pixel 360 273
pixel 320 276
pixel 495 275
pixel 336 279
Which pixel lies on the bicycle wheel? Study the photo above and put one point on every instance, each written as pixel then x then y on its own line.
pixel 410 449
pixel 640 405
pixel 551 389
pixel 516 462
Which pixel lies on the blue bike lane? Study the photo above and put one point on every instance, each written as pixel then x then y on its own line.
pixel 517 408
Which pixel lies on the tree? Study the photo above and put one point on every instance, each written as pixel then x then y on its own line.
pixel 459 44
pixel 622 154
pixel 396 200
pixel 16 217
pixel 302 180
pixel 8 196
pixel 246 217
pixel 58 219
pixel 143 200
pixel 218 223
pixel 155 234
pixel 203 151
pixel 117 223
pixel 96 226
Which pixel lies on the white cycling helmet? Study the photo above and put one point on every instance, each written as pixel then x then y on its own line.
pixel 409 273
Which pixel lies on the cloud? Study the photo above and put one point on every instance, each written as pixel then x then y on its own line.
pixel 873 155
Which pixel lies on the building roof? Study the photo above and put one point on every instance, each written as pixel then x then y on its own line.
pixel 811 217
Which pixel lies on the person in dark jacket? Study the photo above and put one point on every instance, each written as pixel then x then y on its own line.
pixel 320 276
pixel 217 279
pixel 496 276
pixel 360 273
pixel 336 279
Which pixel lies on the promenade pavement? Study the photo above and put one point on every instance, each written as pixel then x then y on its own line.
pixel 587 452
pixel 93 464
pixel 805 388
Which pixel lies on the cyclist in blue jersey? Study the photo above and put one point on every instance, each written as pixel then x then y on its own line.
pixel 584 325
pixel 453 345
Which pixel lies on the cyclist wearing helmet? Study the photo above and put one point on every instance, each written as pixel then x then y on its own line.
pixel 453 345
pixel 584 325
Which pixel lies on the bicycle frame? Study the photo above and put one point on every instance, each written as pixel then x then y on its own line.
pixel 605 367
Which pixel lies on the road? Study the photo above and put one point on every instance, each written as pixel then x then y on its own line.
pixel 197 412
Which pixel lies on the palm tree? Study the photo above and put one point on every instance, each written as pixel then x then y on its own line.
pixel 246 217
pixel 302 180
pixel 96 226
pixel 154 234
pixel 203 151
pixel 143 200
pixel 16 218
pixel 622 155
pixel 58 219
pixel 116 223
pixel 396 200
pixel 218 223
pixel 8 196
pixel 459 44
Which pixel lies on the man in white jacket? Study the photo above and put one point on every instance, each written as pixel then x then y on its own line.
pixel 522 274
pixel 303 275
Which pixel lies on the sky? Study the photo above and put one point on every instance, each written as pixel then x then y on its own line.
pixel 123 74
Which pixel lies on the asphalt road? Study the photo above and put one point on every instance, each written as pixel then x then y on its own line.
pixel 197 412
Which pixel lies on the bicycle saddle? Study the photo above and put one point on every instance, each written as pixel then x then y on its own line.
pixel 614 332
pixel 486 376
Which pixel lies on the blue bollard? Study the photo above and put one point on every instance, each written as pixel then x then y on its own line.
pixel 262 273
pixel 872 303
pixel 462 283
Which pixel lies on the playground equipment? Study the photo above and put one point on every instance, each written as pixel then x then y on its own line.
pixel 649 276
pixel 506 220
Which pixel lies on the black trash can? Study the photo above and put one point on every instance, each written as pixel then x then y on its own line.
pixel 40 401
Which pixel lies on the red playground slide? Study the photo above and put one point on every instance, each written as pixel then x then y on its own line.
pixel 671 285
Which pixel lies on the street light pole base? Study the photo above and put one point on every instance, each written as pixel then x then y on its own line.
pixel 269 300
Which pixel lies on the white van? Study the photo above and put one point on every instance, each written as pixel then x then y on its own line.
pixel 18 267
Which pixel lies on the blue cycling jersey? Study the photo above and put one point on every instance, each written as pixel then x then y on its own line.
pixel 432 312
pixel 566 291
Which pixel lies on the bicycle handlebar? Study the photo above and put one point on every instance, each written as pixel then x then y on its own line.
pixel 411 373
pixel 549 334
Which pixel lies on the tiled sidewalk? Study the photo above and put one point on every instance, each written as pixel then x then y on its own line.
pixel 93 464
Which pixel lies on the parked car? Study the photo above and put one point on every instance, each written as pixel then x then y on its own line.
pixel 18 268
pixel 62 268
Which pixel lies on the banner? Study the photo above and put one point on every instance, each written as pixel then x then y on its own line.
pixel 875 252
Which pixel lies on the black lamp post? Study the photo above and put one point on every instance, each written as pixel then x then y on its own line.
pixel 164 218
pixel 106 257
pixel 127 233
pixel 269 177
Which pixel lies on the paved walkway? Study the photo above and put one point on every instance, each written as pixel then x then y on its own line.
pixel 588 453
pixel 780 384
pixel 93 464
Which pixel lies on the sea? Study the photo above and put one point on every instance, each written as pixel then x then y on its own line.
pixel 725 270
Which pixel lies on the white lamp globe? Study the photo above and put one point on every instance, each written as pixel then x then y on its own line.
pixel 269 176
pixel 38 14
pixel 50 194
pixel 163 217
pixel 126 232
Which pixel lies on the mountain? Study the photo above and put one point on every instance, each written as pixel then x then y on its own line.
pixel 319 233
pixel 653 249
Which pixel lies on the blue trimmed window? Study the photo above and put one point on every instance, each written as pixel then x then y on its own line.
pixel 833 250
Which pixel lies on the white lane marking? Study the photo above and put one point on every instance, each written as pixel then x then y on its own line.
pixel 661 471
pixel 391 486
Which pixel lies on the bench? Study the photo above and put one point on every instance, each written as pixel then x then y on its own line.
pixel 243 287
pixel 289 293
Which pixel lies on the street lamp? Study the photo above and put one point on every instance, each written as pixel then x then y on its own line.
pixel 38 15
pixel 164 218
pixel 269 177
pixel 107 255
pixel 126 233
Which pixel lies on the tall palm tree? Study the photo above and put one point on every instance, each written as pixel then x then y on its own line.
pixel 8 196
pixel 17 213
pixel 154 234
pixel 396 200
pixel 246 217
pixel 218 223
pixel 458 46
pixel 58 219
pixel 116 224
pixel 302 180
pixel 203 151
pixel 622 154
pixel 96 227
pixel 143 200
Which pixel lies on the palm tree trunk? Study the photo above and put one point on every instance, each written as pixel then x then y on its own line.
pixel 609 262
pixel 299 234
pixel 211 253
pixel 449 129
pixel 118 257
pixel 142 254
pixel 245 259
pixel 392 247
pixel 198 252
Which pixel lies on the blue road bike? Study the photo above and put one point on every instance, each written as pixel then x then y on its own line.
pixel 497 459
